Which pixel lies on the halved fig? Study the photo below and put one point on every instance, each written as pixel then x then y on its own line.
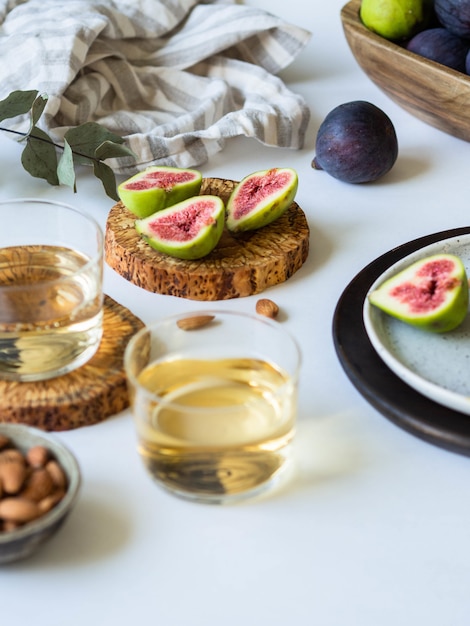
pixel 157 188
pixel 431 293
pixel 261 198
pixel 187 230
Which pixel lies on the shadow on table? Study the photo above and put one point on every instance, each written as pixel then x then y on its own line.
pixel 320 455
pixel 93 531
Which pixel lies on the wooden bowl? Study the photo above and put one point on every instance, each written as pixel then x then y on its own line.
pixel 430 91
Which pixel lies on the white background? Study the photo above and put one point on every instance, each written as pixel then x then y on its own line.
pixel 373 529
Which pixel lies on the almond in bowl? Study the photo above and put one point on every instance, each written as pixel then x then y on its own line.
pixel 39 484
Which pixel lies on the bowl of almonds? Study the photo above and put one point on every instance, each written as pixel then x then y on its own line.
pixel 39 483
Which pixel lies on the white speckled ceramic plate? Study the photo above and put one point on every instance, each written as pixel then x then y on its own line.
pixel 435 365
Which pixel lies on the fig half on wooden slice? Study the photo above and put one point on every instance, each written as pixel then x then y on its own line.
pixel 261 198
pixel 188 230
pixel 157 188
pixel 431 293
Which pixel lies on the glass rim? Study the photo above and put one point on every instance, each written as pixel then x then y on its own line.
pixel 96 258
pixel 147 328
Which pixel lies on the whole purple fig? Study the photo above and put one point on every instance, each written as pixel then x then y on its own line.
pixel 356 143
pixel 454 15
pixel 442 46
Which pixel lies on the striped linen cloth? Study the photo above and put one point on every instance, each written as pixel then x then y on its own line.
pixel 175 78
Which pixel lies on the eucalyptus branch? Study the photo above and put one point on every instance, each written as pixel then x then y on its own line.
pixel 88 143
pixel 50 141
pixel 17 132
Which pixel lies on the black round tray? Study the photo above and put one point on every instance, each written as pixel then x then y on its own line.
pixel 398 402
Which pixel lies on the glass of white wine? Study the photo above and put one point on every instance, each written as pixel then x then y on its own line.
pixel 51 298
pixel 214 397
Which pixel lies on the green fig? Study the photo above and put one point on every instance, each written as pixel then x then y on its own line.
pixel 261 198
pixel 157 188
pixel 187 230
pixel 395 19
pixel 431 293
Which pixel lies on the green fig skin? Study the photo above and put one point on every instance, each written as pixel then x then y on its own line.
pixel 431 294
pixel 260 198
pixel 188 230
pixel 157 188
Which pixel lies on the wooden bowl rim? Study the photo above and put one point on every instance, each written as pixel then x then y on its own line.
pixel 350 15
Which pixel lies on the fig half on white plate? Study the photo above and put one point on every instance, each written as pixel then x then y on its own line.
pixel 431 294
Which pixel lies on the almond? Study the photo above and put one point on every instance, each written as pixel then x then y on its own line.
pixel 49 502
pixel 12 476
pixel 57 474
pixel 37 456
pixel 194 322
pixel 18 510
pixel 267 307
pixel 8 525
pixel 38 485
pixel 4 441
pixel 11 454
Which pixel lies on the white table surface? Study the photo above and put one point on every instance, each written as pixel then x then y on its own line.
pixel 373 528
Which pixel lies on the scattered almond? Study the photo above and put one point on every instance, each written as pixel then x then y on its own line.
pixel 4 441
pixel 194 322
pixel 267 307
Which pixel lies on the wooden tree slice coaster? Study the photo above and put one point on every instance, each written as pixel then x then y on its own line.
pixel 240 265
pixel 83 397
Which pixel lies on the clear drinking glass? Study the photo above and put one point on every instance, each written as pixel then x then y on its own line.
pixel 214 398
pixel 51 298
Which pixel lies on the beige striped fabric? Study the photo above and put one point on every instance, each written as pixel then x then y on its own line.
pixel 176 78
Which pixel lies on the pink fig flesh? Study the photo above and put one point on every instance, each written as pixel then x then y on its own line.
pixel 185 224
pixel 157 188
pixel 431 293
pixel 261 198
pixel 163 179
pixel 188 230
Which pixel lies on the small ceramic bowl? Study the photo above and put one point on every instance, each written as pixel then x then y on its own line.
pixel 430 91
pixel 24 541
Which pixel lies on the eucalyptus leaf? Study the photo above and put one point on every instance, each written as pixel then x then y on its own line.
pixel 106 175
pixel 87 143
pixel 17 103
pixel 37 109
pixel 39 158
pixel 86 138
pixel 65 168
pixel 112 150
pixel 81 160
